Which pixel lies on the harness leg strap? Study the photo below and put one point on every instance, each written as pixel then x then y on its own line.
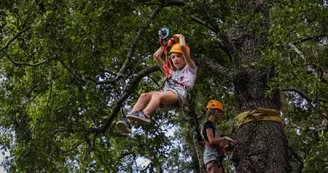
pixel 209 169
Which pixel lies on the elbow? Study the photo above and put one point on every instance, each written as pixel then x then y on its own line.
pixel 211 141
pixel 183 46
pixel 155 56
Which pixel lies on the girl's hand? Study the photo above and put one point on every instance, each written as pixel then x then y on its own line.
pixel 229 139
pixel 171 42
pixel 177 35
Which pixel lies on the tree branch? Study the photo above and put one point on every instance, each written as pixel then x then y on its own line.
pixel 231 49
pixel 308 66
pixel 172 3
pixel 155 81
pixel 298 92
pixel 89 148
pixel 222 38
pixel 21 63
pixel 71 71
pixel 73 147
pixel 128 90
pixel 215 30
pixel 133 45
pixel 307 98
pixel 201 22
pixel 83 78
pixel 3 50
pixel 207 63
pixel 298 158
pixel 16 36
pixel 309 38
pixel 135 41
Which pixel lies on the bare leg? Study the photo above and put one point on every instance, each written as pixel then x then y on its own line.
pixel 143 100
pixel 220 170
pixel 214 167
pixel 167 97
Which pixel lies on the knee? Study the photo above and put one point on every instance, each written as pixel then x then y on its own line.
pixel 145 96
pixel 157 95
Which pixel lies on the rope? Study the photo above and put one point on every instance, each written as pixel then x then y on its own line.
pixel 168 65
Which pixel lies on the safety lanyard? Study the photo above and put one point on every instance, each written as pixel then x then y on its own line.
pixel 168 65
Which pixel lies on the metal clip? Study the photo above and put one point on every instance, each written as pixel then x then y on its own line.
pixel 163 33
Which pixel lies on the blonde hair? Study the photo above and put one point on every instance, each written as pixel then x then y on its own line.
pixel 208 113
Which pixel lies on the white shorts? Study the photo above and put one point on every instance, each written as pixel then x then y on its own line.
pixel 211 154
pixel 181 95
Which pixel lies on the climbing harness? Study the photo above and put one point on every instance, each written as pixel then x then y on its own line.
pixel 213 165
pixel 227 148
pixel 163 34
pixel 223 151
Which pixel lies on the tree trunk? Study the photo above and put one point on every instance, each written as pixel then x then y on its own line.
pixel 262 145
pixel 159 169
pixel 197 147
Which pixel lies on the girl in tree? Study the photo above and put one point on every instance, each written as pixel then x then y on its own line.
pixel 212 138
pixel 177 85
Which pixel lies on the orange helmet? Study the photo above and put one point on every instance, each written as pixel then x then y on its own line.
pixel 177 48
pixel 214 104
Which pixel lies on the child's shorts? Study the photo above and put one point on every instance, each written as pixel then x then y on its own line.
pixel 181 95
pixel 210 154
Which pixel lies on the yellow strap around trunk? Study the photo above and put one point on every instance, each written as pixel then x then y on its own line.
pixel 258 115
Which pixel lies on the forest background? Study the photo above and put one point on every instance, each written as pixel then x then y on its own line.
pixel 71 68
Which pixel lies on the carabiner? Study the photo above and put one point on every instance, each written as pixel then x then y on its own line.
pixel 163 33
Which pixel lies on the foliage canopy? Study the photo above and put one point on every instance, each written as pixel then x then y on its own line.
pixel 71 68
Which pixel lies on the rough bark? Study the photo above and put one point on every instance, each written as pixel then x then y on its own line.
pixel 197 147
pixel 250 88
pixel 261 146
